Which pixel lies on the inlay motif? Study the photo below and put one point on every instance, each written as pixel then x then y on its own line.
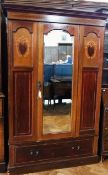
pixel 22 47
pixel 91 49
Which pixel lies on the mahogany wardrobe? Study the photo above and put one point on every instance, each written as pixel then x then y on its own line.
pixel 55 60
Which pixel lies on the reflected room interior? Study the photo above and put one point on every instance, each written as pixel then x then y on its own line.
pixel 57 86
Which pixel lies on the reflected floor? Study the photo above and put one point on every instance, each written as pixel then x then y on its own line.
pixel 57 118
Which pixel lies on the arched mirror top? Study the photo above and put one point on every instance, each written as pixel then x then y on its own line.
pixel 64 27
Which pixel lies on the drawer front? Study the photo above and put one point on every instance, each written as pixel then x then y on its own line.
pixel 105 97
pixel 34 153
pixel 1 140
pixel 106 118
pixel 106 144
pixel 106 132
pixel 1 107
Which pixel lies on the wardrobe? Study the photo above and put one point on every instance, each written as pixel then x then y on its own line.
pixel 103 141
pixel 55 63
pixel 2 157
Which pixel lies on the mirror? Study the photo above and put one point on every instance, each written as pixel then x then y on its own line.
pixel 57 86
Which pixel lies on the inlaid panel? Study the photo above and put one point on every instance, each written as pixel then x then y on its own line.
pixel 88 102
pixel 22 58
pixel 91 50
pixel 23 45
pixel 90 76
pixel 22 103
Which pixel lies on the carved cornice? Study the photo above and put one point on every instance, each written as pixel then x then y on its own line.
pixel 57 7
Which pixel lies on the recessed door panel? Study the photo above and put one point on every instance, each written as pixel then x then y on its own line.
pixel 22 103
pixel 88 98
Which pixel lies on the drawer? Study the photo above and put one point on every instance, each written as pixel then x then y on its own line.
pixel 1 107
pixel 34 153
pixel 105 97
pixel 106 144
pixel 106 132
pixel 106 118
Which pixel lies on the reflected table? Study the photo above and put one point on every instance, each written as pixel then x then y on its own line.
pixel 61 88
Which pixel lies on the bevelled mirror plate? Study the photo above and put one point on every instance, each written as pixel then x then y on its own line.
pixel 57 86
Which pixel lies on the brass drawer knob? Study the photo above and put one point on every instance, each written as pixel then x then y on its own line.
pixel 106 109
pixel 78 147
pixel 37 153
pixel 104 90
pixel 31 153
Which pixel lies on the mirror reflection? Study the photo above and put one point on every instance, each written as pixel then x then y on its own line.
pixel 57 88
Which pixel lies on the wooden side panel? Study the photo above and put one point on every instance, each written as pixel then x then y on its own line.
pixel 22 103
pixel 22 43
pixel 89 79
pixel 88 100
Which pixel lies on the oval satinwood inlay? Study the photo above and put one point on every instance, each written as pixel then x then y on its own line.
pixel 91 50
pixel 22 48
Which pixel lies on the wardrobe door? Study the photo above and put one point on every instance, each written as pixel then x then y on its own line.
pixel 22 43
pixel 57 80
pixel 90 75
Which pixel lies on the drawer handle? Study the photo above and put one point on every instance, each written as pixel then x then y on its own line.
pixel 106 109
pixel 104 90
pixel 73 147
pixel 34 153
pixel 78 147
pixel 39 89
pixel 31 153
pixel 37 153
